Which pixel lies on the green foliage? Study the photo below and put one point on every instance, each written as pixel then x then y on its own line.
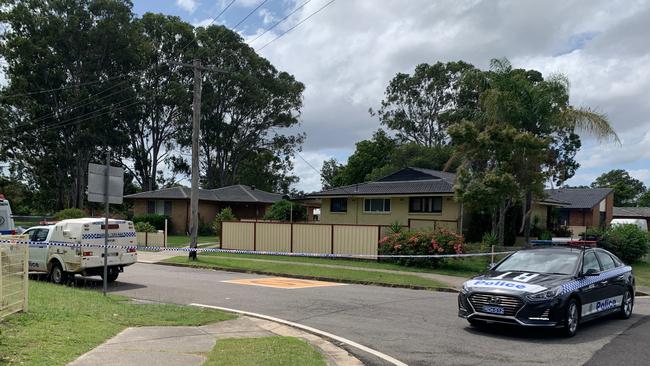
pixel 157 221
pixel 396 228
pixel 205 229
pixel 69 213
pixel 562 232
pixel 225 214
pixel 421 243
pixel 490 239
pixel 644 199
pixel 628 242
pixel 282 211
pixel 626 188
pixel 144 227
pixel 545 235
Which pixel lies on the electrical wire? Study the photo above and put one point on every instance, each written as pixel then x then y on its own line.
pixel 278 22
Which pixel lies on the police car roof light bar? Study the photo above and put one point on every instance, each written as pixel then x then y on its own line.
pixel 584 244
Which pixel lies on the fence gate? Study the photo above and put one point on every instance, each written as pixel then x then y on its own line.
pixel 14 271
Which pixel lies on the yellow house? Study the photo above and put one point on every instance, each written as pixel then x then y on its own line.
pixel 412 197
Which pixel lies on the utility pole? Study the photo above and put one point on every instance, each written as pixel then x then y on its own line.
pixel 196 127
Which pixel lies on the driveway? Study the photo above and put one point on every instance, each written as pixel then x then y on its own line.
pixel 414 326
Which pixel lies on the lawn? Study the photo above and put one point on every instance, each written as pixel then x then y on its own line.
pixel 337 274
pixel 64 323
pixel 267 351
pixel 642 272
pixel 178 241
pixel 462 267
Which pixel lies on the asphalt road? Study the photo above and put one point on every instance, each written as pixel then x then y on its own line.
pixel 416 327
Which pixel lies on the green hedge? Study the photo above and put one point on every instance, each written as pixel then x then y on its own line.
pixel 157 221
pixel 627 242
pixel 69 213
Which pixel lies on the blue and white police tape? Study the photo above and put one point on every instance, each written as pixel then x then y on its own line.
pixel 238 251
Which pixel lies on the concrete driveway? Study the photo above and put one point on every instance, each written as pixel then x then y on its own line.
pixel 414 326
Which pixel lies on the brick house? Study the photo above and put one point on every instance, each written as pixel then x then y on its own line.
pixel 246 203
pixel 583 208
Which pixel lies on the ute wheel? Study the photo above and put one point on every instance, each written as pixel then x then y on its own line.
pixel 113 273
pixel 57 274
pixel 476 323
pixel 571 318
pixel 628 304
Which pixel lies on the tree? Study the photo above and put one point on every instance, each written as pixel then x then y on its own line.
pixel 330 174
pixel 420 106
pixel 414 155
pixel 644 199
pixel 243 109
pixel 626 188
pixel 76 47
pixel 163 94
pixel 286 210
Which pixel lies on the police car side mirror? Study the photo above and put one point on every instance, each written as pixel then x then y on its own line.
pixel 591 272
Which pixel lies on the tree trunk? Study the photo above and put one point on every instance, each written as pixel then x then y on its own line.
pixel 528 202
pixel 502 223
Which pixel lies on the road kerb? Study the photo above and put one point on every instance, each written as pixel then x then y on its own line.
pixel 312 330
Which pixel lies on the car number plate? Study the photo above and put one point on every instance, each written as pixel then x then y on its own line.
pixel 493 309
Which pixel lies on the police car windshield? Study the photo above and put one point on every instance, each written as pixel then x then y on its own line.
pixel 563 263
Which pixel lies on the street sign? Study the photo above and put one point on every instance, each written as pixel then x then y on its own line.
pixel 97 184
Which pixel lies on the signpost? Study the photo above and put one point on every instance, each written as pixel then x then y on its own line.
pixel 105 184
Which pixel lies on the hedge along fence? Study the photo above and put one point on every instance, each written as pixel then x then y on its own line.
pixel 301 237
pixel 14 270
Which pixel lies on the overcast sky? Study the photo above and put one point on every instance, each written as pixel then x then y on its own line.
pixel 347 53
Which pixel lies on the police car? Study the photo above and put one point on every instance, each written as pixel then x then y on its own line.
pixel 553 286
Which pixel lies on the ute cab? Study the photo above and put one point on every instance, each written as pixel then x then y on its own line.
pixel 52 250
pixel 6 221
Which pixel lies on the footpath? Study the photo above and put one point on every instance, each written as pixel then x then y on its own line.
pixel 189 346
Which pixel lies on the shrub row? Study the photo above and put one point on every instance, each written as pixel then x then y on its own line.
pixel 439 241
pixel 627 242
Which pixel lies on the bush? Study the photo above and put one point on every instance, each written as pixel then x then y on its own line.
pixel 144 227
pixel 69 213
pixel 421 243
pixel 281 211
pixel 562 232
pixel 395 228
pixel 545 235
pixel 157 221
pixel 225 215
pixel 628 242
pixel 205 229
pixel 490 239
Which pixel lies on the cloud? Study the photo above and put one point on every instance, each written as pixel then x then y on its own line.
pixel 187 5
pixel 309 170
pixel 347 54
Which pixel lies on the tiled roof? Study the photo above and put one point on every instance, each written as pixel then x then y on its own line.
pixel 578 197
pixel 234 193
pixel 632 212
pixel 405 181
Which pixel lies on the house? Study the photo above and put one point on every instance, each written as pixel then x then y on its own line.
pixel 412 197
pixel 632 213
pixel 246 202
pixel 582 208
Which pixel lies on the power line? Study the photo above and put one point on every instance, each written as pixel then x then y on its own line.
pixel 295 26
pixel 280 21
pixel 61 88
pixel 249 14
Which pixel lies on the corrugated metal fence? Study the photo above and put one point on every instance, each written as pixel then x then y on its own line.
pixel 301 237
pixel 14 271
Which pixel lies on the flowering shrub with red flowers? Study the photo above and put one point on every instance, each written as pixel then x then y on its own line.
pixel 440 241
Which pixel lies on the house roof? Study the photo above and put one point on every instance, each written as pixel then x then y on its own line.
pixel 643 212
pixel 578 197
pixel 235 193
pixel 406 181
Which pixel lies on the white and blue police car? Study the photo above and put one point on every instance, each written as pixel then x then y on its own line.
pixel 553 286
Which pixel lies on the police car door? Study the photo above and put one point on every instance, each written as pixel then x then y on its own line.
pixel 593 290
pixel 614 285
pixel 38 248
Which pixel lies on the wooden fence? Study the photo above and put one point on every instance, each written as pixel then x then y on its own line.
pixel 301 237
pixel 14 271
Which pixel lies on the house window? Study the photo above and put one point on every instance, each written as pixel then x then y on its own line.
pixel 159 207
pixel 376 205
pixel 151 207
pixel 339 205
pixel 168 208
pixel 425 204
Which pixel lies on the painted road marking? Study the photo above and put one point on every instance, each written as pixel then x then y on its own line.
pixel 282 282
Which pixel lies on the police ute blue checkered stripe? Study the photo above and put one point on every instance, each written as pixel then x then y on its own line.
pixel 590 280
pixel 127 234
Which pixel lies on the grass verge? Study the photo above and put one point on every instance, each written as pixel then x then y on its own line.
pixel 297 270
pixel 64 323
pixel 178 241
pixel 642 273
pixel 267 351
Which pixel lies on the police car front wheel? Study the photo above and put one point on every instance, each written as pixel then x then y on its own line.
pixel 628 304
pixel 572 318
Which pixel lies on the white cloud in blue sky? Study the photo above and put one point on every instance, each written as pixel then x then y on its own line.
pixel 187 5
pixel 347 53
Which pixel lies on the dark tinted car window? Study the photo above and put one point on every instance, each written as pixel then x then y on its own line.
pixel 606 261
pixel 590 263
pixel 541 262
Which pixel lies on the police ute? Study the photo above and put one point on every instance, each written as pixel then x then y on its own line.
pixel 556 286
pixel 75 246
pixel 6 221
